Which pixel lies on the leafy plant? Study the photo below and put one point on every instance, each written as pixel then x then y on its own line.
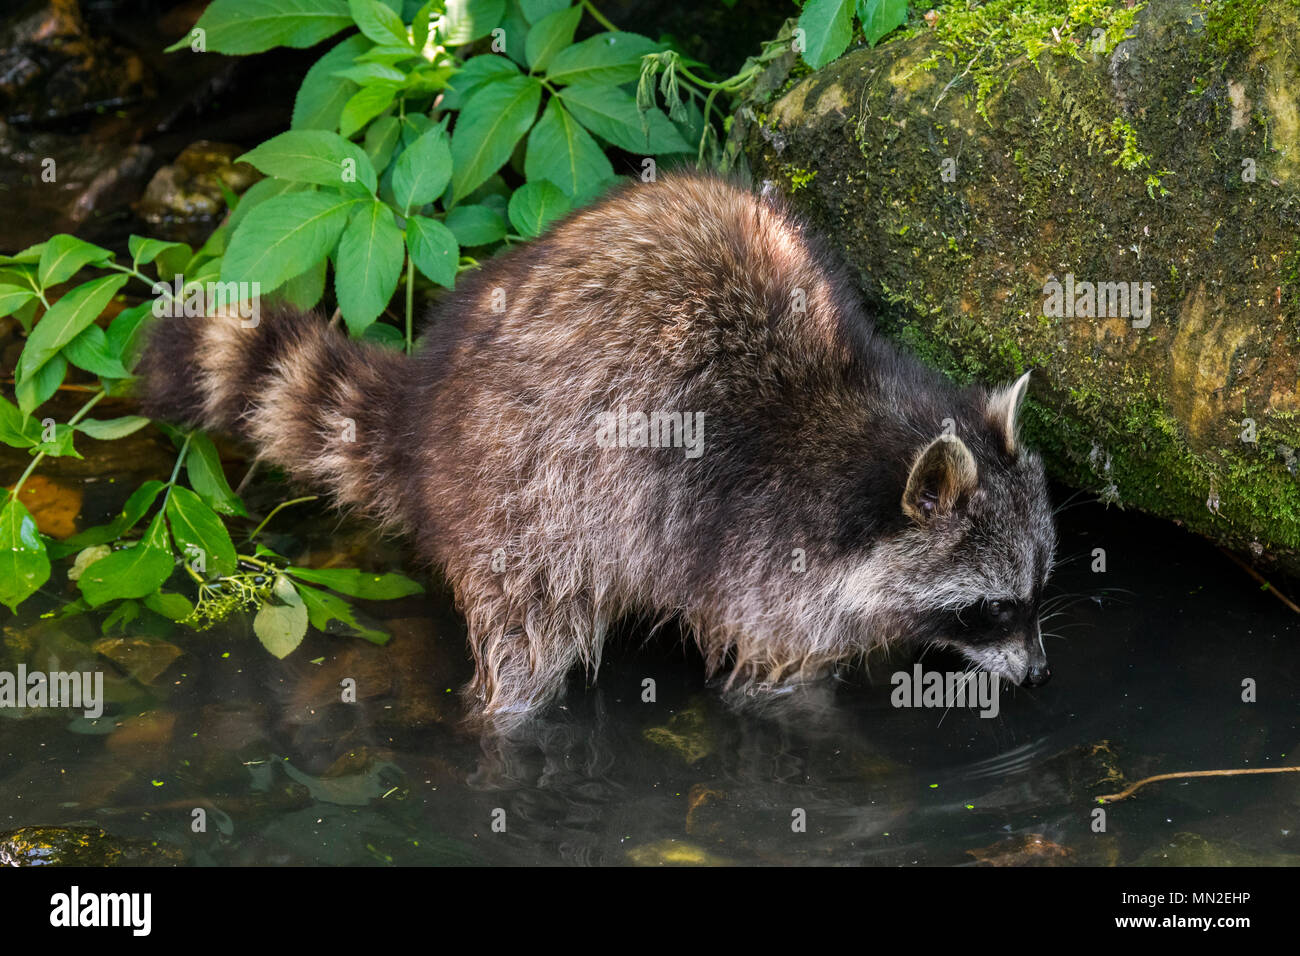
pixel 827 25
pixel 399 133
pixel 433 129
pixel 186 537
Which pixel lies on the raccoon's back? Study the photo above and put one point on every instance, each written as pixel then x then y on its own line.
pixel 683 291
pixel 689 295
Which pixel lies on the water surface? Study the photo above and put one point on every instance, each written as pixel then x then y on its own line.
pixel 1148 679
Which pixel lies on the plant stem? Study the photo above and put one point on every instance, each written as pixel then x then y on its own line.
pixel 598 16
pixel 276 510
pixel 80 414
pixel 176 470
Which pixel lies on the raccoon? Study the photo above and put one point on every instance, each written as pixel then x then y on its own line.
pixel 670 405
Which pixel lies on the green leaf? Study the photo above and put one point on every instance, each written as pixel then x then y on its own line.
pixel 609 59
pixel 370 73
pixel 134 509
pixel 13 298
pixel 378 22
pixel 106 429
pixel 90 351
pixel 422 171
pixel 535 205
pixel 198 531
pixel 493 121
pixel 381 139
pixel 257 193
pixel 145 250
pixel 370 259
pixel 35 390
pixel 120 616
pixel 612 114
pixel 880 17
pixel 413 126
pixel 173 262
pixel 281 627
pixel 828 28
pixel 324 608
pixel 476 73
pixel 174 607
pixel 29 256
pixel 203 465
pixel 313 156
pixel 467 20
pixel 284 235
pixel 422 24
pixel 131 572
pixel 304 290
pixel 251 26
pixel 24 565
pixel 534 10
pixel 476 225
pixel 514 30
pixel 550 35
pixel 61 445
pixel 433 249
pixel 321 96
pixel 364 105
pixel 64 255
pixel 362 584
pixel 16 429
pixel 26 315
pixel 389 54
pixel 381 333
pixel 125 333
pixel 65 320
pixel 561 151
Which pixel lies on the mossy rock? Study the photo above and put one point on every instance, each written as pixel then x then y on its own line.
pixel 958 168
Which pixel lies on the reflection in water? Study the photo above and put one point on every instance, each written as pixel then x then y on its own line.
pixel 285 771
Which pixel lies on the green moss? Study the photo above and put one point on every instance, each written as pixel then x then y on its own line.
pixel 799 177
pixel 1231 24
pixel 1058 181
pixel 992 41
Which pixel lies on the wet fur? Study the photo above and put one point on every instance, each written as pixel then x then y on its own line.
pixel 676 296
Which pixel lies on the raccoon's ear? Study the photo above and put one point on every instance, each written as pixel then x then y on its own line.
pixel 943 477
pixel 1004 411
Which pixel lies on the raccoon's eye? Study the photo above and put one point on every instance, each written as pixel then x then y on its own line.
pixel 1000 611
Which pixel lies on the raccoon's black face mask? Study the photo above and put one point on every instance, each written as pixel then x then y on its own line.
pixel 1002 636
pixel 982 539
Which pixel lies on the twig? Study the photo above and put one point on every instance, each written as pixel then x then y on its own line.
pixel 65 387
pixel 1262 580
pixel 1125 794
pixel 977 55
pixel 248 476
pixel 276 509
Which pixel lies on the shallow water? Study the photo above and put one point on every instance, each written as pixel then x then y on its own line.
pixel 1147 679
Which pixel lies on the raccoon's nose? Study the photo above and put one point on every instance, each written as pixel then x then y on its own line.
pixel 1039 674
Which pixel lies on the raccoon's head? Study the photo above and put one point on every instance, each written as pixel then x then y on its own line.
pixel 980 542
